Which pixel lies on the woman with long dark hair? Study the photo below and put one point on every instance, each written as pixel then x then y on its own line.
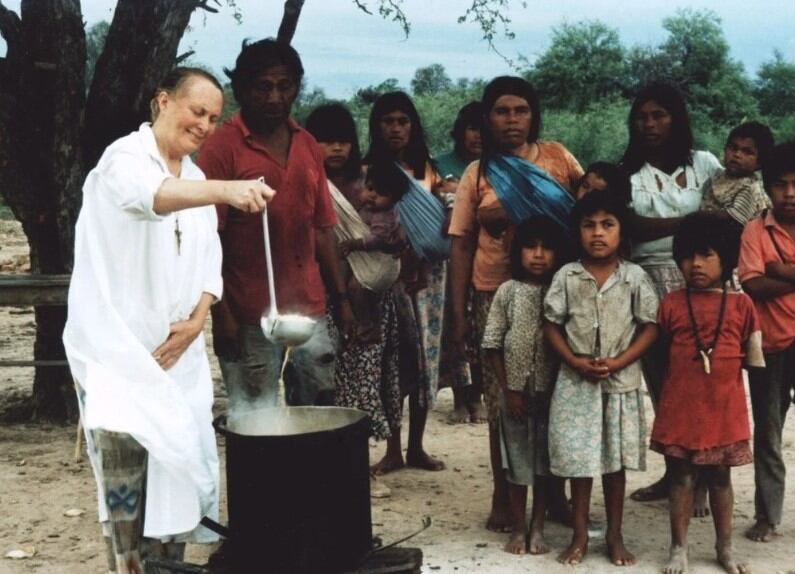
pixel 666 177
pixel 485 214
pixel 397 135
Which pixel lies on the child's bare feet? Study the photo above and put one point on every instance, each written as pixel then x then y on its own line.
pixel 477 412
pixel 387 464
pixel 458 415
pixel 618 553
pixel 677 561
pixel 535 542
pixel 700 507
pixel 655 491
pixel 422 460
pixel 726 559
pixel 761 531
pixel 499 519
pixel 575 553
pixel 517 543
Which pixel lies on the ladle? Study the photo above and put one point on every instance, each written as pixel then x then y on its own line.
pixel 287 330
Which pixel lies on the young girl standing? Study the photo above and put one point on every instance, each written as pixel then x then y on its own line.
pixel 702 418
pixel 525 368
pixel 601 314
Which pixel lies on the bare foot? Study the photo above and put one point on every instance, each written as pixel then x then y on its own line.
pixel 423 461
pixel 575 553
pixel 498 520
pixel 700 508
pixel 536 543
pixel 459 415
pixel 677 561
pixel 517 543
pixel 761 532
pixel 477 412
pixel 618 553
pixel 387 464
pixel 726 559
pixel 656 491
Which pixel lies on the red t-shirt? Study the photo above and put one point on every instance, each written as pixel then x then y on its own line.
pixel 302 204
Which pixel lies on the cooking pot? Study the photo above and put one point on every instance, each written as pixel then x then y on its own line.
pixel 298 489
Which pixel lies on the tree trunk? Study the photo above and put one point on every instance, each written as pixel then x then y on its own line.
pixel 140 49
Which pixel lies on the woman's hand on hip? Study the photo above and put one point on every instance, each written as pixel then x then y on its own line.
pixel 181 335
pixel 250 196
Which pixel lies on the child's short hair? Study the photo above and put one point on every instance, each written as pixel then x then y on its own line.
pixel 387 179
pixel 616 178
pixel 600 200
pixel 705 230
pixel 760 133
pixel 780 161
pixel 549 233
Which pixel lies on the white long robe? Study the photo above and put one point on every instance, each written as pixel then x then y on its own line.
pixel 128 285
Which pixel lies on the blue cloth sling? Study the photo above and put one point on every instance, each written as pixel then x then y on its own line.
pixel 525 190
pixel 422 217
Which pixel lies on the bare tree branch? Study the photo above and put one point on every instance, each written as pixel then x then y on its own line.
pixel 10 30
pixel 182 57
pixel 204 6
pixel 490 15
pixel 388 10
pixel 292 11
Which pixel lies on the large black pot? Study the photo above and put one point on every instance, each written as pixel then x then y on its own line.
pixel 298 489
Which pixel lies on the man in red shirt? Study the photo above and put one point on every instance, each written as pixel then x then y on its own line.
pixel 262 140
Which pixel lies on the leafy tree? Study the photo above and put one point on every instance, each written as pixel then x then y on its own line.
pixel 430 80
pixel 775 86
pixel 55 123
pixel 370 94
pixel 584 63
pixel 95 42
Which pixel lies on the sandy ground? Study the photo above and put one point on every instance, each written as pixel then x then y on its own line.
pixel 41 481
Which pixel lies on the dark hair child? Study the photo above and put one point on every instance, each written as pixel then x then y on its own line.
pixel 701 424
pixel 600 316
pixel 515 346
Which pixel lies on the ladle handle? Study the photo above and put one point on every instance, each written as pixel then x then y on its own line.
pixel 268 261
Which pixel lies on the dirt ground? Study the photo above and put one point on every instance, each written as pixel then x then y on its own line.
pixel 41 481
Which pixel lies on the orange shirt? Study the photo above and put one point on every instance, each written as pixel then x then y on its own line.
pixel 491 266
pixel 776 315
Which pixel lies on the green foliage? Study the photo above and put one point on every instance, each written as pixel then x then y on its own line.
pixel 775 86
pixel 585 62
pixel 430 80
pixel 95 42
pixel 370 94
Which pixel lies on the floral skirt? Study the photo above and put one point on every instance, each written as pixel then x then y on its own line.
pixel 492 394
pixel 592 433
pixel 366 376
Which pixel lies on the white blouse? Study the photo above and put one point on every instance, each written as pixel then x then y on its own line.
pixel 657 194
pixel 130 281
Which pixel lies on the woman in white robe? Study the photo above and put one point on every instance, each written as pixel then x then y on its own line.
pixel 147 268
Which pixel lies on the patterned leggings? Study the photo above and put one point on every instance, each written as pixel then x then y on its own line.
pixel 123 461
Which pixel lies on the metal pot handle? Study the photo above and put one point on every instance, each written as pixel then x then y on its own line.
pixel 219 424
pixel 426 523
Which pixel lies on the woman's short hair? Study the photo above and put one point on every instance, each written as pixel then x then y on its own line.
pixel 334 123
pixel 760 133
pixel 551 235
pixel 417 154
pixel 704 230
pixel 678 148
pixel 469 116
pixel 257 57
pixel 175 80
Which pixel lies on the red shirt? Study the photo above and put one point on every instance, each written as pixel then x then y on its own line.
pixel 302 204
pixel 776 315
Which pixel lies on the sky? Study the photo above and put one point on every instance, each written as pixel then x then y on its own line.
pixel 344 49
